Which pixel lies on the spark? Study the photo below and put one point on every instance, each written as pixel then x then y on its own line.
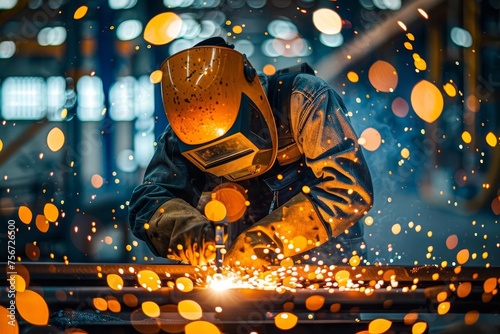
pixel 220 282
pixel 423 13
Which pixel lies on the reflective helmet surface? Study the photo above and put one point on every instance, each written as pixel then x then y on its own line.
pixel 201 89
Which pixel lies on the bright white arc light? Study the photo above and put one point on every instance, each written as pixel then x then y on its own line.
pixel 219 282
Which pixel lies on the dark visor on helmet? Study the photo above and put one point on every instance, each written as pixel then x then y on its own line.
pixel 241 152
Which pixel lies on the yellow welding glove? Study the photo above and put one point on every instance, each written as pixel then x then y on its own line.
pixel 289 230
pixel 180 232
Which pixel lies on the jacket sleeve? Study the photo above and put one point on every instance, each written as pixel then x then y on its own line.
pixel 342 192
pixel 161 209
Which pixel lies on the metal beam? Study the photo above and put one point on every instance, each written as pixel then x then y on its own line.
pixel 334 64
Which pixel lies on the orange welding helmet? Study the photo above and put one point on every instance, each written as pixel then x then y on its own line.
pixel 218 109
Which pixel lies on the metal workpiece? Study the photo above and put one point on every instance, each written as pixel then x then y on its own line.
pixel 320 297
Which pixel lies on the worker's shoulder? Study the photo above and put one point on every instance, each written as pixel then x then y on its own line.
pixel 310 84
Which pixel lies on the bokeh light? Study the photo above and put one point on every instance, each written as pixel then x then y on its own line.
pixel 114 281
pixel 25 215
pixel 285 320
pixel 332 41
pixel 80 12
pixel 7 50
pixel 495 205
pixel 52 36
pixel 233 197
pixel 464 289
pixel 419 328
pixel 471 317
pixel 151 309
pixel 184 284
pixel 352 76
pixel 149 280
pixel 32 251
pixel 100 304
pixel 452 241
pixel 20 283
pixel 466 137
pixel 370 139
pixel 97 181
pixel 189 309
pixel 32 307
pixel 42 223
pixel 6 326
pixel 461 37
pixel 419 63
pixel 427 101
pixel 205 327
pixel 473 103
pixel 443 308
pixel 8 4
pixel 463 256
pixel 55 139
pixel 368 220
pixel 450 89
pixel 215 210
pixel 327 21
pixel 114 305
pixel 342 277
pixel 490 285
pixel 282 29
pixel 396 229
pixel 163 28
pixel 335 307
pixel 269 69
pixel 383 76
pixel 315 302
pixel 50 212
pixel 156 76
pixel 354 261
pixel 379 326
pixel 299 243
pixel 491 139
pixel 129 30
pixel 130 300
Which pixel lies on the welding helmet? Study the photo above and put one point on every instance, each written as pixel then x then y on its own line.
pixel 218 109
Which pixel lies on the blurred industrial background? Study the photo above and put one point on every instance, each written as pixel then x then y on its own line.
pixel 80 110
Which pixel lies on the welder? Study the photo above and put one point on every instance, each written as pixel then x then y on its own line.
pixel 278 151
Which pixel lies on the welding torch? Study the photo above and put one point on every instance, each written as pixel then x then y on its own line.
pixel 220 246
pixel 216 212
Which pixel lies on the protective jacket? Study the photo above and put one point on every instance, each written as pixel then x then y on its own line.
pixel 331 172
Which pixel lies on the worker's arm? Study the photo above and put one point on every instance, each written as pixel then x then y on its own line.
pixel 338 197
pixel 161 210
pixel 293 228
pixel 342 192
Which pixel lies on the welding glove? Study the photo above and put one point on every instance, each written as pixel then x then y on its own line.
pixel 291 229
pixel 180 232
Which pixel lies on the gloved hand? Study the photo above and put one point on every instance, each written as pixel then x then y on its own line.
pixel 180 232
pixel 195 246
pixel 291 229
